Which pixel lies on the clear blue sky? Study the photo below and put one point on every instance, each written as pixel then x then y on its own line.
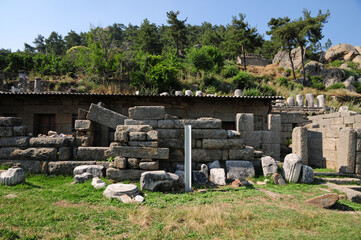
pixel 22 20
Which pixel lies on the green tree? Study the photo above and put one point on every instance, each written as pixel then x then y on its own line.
pixel 73 39
pixel 40 45
pixel 177 30
pixel 206 58
pixel 55 44
pixel 3 58
pixel 29 48
pixel 148 38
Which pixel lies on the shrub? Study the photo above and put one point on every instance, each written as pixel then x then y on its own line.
pixel 206 58
pixel 358 87
pixel 336 63
pixel 230 71
pixel 211 90
pixel 283 81
pixel 336 86
pixel 317 83
pixel 318 86
pixel 243 80
pixel 252 92
pixel 268 91
pixel 288 71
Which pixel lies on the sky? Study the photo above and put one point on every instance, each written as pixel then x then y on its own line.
pixel 22 20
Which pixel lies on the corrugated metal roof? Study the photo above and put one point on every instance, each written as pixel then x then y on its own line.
pixel 133 95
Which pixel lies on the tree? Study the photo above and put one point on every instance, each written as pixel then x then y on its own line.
pixel 177 31
pixel 55 44
pixel 39 42
pixel 206 58
pixel 148 38
pixel 210 35
pixel 29 48
pixel 73 39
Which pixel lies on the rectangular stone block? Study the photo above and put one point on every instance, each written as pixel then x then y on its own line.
pixel 65 153
pixel 83 125
pixel 147 112
pixel 331 164
pixel 329 143
pixel 273 150
pixel 152 135
pixel 45 154
pixel 172 143
pixel 105 116
pixel 246 154
pixel 121 136
pixel 84 141
pixel 137 136
pixel 48 142
pixel 166 123
pixel 271 137
pixel 331 132
pixel 330 155
pixel 66 167
pixel 209 133
pixel 134 128
pixel 92 153
pixel 244 122
pixel 206 155
pixel 171 133
pixel 152 123
pixel 274 122
pixel 5 152
pixel 152 144
pixel 358 145
pixel 347 151
pixel 255 144
pixel 30 166
pixel 253 136
pixel 358 118
pixel 14 141
pixel 286 127
pixel 223 143
pixel 10 121
pixel 138 152
pixel 332 115
pixel 348 120
pixel 200 123
pixel 20 131
pixel 292 118
pixel 6 131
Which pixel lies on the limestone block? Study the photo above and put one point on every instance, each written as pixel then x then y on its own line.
pixel 300 143
pixel 286 127
pixel 244 122
pixel 158 181
pixel 83 125
pixel 292 167
pixel 6 131
pixel 153 165
pixel 152 144
pixel 347 151
pixel 218 176
pixel 269 166
pixel 223 143
pixel 119 189
pixel 274 122
pixel 152 123
pixel 329 143
pixel 147 112
pixel 324 201
pixel 12 176
pixel 206 155
pixel 271 137
pixel 94 170
pixel 133 163
pixel 65 167
pixel 246 154
pixel 166 123
pixel 178 93
pixel 137 136
pixel 239 170
pixel 105 116
pixel 134 128
pixel 170 133
pixel 10 121
pixel 65 153
pixel 121 136
pixel 321 101
pixel 92 153
pixel 48 154
pixel 171 143
pixel 14 141
pixel 5 152
pixel 138 152
pixel 120 162
pixel 48 142
pixel 20 131
pixel 82 178
pixel 209 133
pixel 331 132
pixel 307 174
pixel 291 118
pixel 238 93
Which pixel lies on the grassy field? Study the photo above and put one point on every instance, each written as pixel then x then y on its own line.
pixel 52 208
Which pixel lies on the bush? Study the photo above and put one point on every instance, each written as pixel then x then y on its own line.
pixel 206 58
pixel 317 83
pixel 288 71
pixel 336 63
pixel 243 80
pixel 283 81
pixel 252 92
pixel 230 71
pixel 358 87
pixel 268 91
pixel 336 86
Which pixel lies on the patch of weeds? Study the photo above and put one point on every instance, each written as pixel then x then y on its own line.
pixel 322 170
pixel 4 167
pixel 336 86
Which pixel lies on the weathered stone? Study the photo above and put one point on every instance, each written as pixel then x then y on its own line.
pixel 83 177
pixel 200 177
pixel 315 68
pixel 269 166
pixel 6 131
pixel 324 201
pixel 274 122
pixel 153 144
pixel 158 181
pixel 271 137
pixel 170 133
pixel 139 199
pixel 275 177
pixel 92 153
pixel 299 100
pixel 232 134
pixel 152 123
pixel 152 135
pixel 188 93
pixel 238 93
pixel 180 174
pixel 12 176
pixel 138 152
pixel 166 123
pixel 218 176
pixel 292 167
pixel 65 167
pixel 105 116
pixel 124 174
pixel 120 162
pixel 290 101
pixel 14 141
pixel 97 183
pixel 121 136
pixel 272 150
pixel 307 174
pixel 223 143
pixel 346 151
pixel 246 154
pixel 84 141
pixel 321 101
pixel 31 166
pixel 48 154
pixel 244 122
pixel 119 189
pixel 333 76
pixel 10 121
pixel 209 133
pixel 236 183
pixel 147 112
pixel 178 93
pixel 164 94
pixel 310 100
pixel 20 131
pixel 95 170
pixel 199 94
pixel 153 165
pixel 65 153
pixel 133 163
pixel 283 60
pixel 49 142
pixel 239 170
pixel 171 143
pixel 206 155
pixel 198 143
pixel 134 128
pixel 337 52
pixel 83 125
pixel 300 143
pixel 200 123
pixel 215 164
pixel 281 181
pixel 137 136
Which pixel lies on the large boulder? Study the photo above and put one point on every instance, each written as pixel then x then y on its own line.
pixel 292 167
pixel 269 166
pixel 333 76
pixel 284 61
pixel 338 52
pixel 95 170
pixel 315 68
pixel 239 170
pixel 158 181
pixel 12 176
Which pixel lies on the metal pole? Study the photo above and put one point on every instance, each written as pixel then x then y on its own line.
pixel 188 158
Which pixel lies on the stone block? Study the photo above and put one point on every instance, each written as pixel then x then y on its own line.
pixel 84 141
pixel 170 133
pixel 200 123
pixel 171 143
pixel 253 136
pixel 358 132
pixel 349 120
pixel 166 123
pixel 218 176
pixel 269 166
pixel 28 165
pixel 121 136
pixel 307 175
pixel 274 122
pixel 215 164
pixel 137 136
pixel 330 155
pixel 82 178
pixel 65 153
pixel 147 112
pixel 209 133
pixel 358 118
pixel 65 167
pixel 239 170
pixel 300 143
pixel 138 152
pixel 244 122
pixel 206 155
pixel 153 165
pixel 134 128
pixel 286 127
pixel 105 116
pixel 12 176
pixel 291 118
pixel 20 131
pixel 152 135
pixel 6 131
pixel 48 142
pixel 83 125
pixel 329 143
pixel 46 154
pixel 331 164
pixel 10 121
pixel 292 167
pixel 14 141
pixel 92 153
pixel 346 150
pixel 198 143
pixel 124 174
pixel 152 144
pixel 175 155
pixel 223 143
pixel 271 137
pixel 225 154
pixel 94 170
pixel 310 100
pixel 255 144
pixel 273 150
pixel 358 145
pixel 120 162
pixel 152 123
pixel 133 163
pixel 158 181
pixel 246 154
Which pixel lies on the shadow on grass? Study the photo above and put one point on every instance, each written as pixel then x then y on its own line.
pixel 30 185
pixel 342 207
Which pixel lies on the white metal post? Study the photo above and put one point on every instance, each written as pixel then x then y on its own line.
pixel 188 157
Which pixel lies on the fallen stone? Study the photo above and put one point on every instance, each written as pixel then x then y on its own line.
pixel 324 201
pixel 147 112
pixel 119 189
pixel 292 167
pixel 97 183
pixel 105 116
pixel 124 174
pixel 218 176
pixel 95 170
pixel 269 166
pixel 178 93
pixel 81 178
pixel 180 174
pixel 307 174
pixel 12 176
pixel 158 181
pixel 83 125
pixel 154 165
pixel 139 199
pixel 239 170
pixel 215 164
pixel 65 153
pixel 188 93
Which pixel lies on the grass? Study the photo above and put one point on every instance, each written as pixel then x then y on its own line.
pixel 52 208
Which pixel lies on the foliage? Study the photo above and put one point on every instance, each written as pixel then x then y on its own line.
pixel 243 80
pixel 317 83
pixel 252 92
pixel 282 81
pixel 206 58
pixel 229 70
pixel 336 86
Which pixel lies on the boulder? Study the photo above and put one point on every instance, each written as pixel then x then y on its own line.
pixel 357 59
pixel 358 49
pixel 119 189
pixel 158 181
pixel 12 176
pixel 292 167
pixel 324 201
pixel 14 141
pixel 284 61
pixel 315 68
pixel 218 176
pixel 81 178
pixel 269 166
pixel 333 76
pixel 97 183
pixel 307 174
pixel 95 170
pixel 350 80
pixel 239 170
pixel 350 87
pixel 338 52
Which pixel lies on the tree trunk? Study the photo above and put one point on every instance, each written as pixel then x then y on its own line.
pixel 292 66
pixel 303 63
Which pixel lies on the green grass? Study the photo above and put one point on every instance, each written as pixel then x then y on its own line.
pixel 53 208
pixel 323 170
